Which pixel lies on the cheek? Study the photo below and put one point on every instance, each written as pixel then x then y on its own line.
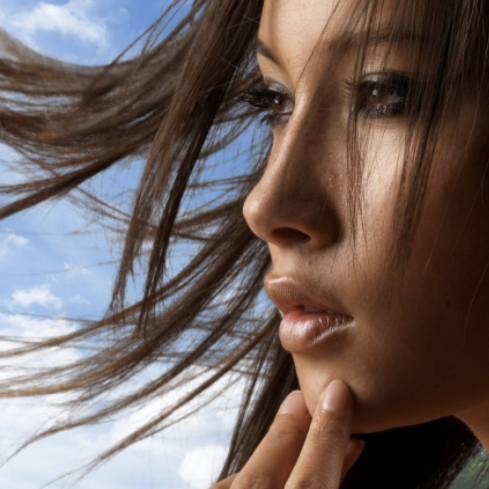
pixel 445 279
pixel 382 171
pixel 453 245
pixel 420 349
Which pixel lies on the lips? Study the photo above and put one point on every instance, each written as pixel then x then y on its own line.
pixel 288 294
pixel 308 320
pixel 311 310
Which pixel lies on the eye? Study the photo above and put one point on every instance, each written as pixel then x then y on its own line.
pixel 274 98
pixel 378 96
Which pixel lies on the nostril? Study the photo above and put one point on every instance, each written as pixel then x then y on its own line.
pixel 288 235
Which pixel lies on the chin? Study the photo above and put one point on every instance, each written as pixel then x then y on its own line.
pixel 364 420
pixel 375 412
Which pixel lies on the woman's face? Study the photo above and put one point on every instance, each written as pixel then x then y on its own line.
pixel 413 346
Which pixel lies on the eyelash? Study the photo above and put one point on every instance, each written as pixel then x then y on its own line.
pixel 407 90
pixel 264 95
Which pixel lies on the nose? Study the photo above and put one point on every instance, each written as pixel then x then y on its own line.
pixel 295 201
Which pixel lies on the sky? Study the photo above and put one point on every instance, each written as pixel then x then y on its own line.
pixel 57 267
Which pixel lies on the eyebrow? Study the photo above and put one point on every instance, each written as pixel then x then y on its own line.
pixel 350 40
pixel 264 50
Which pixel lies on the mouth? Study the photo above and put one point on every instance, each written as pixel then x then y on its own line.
pixel 308 321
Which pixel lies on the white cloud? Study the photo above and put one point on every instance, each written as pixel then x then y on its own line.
pixel 78 299
pixel 188 455
pixel 22 325
pixel 41 295
pixel 73 270
pixel 10 242
pixel 199 467
pixel 71 19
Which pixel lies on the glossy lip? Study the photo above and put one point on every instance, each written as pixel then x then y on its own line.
pixel 300 330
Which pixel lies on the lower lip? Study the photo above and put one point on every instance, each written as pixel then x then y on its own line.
pixel 302 331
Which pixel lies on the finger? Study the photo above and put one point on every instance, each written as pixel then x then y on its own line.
pixel 275 457
pixel 225 483
pixel 321 461
pixel 353 451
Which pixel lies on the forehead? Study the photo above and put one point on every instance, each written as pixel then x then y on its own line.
pixel 292 27
pixel 294 30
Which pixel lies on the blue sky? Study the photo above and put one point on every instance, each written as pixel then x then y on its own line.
pixel 56 265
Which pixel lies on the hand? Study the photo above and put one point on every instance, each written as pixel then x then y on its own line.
pixel 300 452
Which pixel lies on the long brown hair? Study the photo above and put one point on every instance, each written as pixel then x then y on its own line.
pixel 180 103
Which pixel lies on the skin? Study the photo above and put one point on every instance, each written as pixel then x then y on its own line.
pixel 417 349
pixel 294 452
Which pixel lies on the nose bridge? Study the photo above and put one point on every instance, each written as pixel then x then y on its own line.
pixel 290 169
pixel 292 201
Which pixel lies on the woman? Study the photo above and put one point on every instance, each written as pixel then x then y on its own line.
pixel 370 199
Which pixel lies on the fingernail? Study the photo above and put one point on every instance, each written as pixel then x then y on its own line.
pixel 336 396
pixel 293 404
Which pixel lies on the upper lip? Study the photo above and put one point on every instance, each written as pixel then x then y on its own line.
pixel 290 294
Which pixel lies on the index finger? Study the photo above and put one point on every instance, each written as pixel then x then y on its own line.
pixel 226 483
pixel 273 460
pixel 320 463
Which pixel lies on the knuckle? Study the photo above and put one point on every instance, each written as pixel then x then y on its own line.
pixel 224 484
pixel 328 425
pixel 255 481
pixel 308 482
pixel 287 426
